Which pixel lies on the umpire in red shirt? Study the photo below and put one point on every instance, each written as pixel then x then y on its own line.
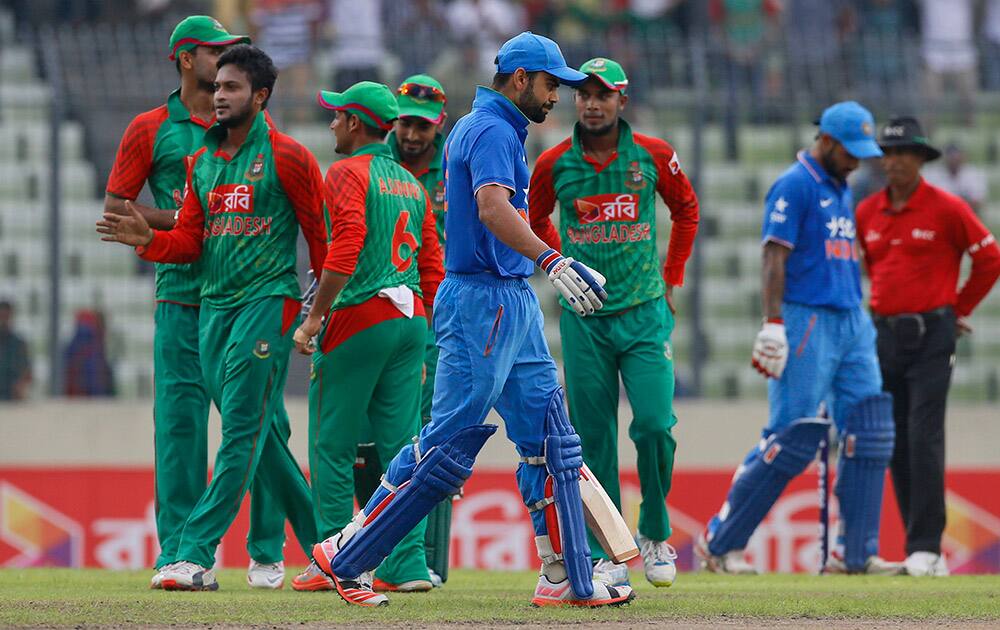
pixel 914 236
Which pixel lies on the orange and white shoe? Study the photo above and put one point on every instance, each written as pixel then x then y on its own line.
pixel 549 593
pixel 312 579
pixel 188 576
pixel 359 591
pixel 411 586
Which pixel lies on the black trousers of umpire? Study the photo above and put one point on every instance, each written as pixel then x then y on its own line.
pixel 916 354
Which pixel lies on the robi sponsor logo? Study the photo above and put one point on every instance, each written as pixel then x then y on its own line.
pixel 601 208
pixel 230 198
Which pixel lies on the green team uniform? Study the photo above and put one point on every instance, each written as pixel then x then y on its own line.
pixel 240 217
pixel 366 372
pixel 438 537
pixel 607 220
pixel 154 150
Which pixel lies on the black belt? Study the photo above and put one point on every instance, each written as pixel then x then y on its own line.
pixel 922 319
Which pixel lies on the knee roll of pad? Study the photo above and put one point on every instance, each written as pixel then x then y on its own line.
pixel 866 446
pixel 780 457
pixel 440 474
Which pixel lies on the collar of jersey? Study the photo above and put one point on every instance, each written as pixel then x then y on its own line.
pixel 434 165
pixel 179 113
pixel 916 200
pixel 217 132
pixel 498 104
pixel 624 141
pixel 373 148
pixel 816 171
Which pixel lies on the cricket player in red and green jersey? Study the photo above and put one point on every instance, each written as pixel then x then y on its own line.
pixel 154 151
pixel 605 179
pixel 379 279
pixel 249 189
pixel 417 143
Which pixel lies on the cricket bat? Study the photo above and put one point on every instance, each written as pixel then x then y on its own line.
pixel 604 519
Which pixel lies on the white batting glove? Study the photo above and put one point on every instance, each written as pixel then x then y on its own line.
pixel 580 285
pixel 770 350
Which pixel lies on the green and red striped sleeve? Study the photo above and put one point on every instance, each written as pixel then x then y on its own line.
pixel 430 259
pixel 182 244
pixel 675 189
pixel 542 195
pixel 134 160
pixel 302 181
pixel 346 190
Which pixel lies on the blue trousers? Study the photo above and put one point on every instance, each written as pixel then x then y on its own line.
pixel 492 353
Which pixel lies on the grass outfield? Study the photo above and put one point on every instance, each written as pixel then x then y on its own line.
pixel 66 597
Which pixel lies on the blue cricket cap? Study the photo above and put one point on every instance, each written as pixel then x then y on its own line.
pixel 853 126
pixel 536 53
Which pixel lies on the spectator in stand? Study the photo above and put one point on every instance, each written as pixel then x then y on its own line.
pixel 490 22
pixel 815 32
pixel 358 47
pixel 742 29
pixel 88 371
pixel 878 61
pixel 959 178
pixel 287 30
pixel 949 56
pixel 421 33
pixel 991 50
pixel 15 365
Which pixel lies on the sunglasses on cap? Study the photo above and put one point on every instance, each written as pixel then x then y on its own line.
pixel 422 92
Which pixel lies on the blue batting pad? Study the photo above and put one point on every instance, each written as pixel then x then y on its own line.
pixel 865 450
pixel 439 474
pixel 761 480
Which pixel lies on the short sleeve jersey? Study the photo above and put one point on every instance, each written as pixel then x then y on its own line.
pixel 607 217
pixel 810 212
pixel 156 148
pixel 432 179
pixel 485 147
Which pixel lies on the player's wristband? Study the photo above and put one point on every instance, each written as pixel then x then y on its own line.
pixel 774 320
pixel 548 259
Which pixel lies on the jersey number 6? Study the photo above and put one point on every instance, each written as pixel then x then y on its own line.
pixel 400 237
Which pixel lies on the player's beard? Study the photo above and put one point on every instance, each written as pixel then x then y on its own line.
pixel 830 166
pixel 532 108
pixel 237 116
pixel 602 130
pixel 411 155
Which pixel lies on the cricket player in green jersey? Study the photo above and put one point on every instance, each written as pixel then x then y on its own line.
pixel 379 279
pixel 249 189
pixel 605 179
pixel 154 151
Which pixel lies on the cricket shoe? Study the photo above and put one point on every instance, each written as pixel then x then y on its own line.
pixel 925 563
pixel 359 591
pixel 157 581
pixel 730 563
pixel 312 579
pixel 658 560
pixel 549 593
pixel 266 575
pixel 188 576
pixel 410 586
pixel 611 573
pixel 874 565
pixel 436 580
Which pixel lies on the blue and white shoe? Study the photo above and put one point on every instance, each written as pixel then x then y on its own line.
pixel 658 559
pixel 611 573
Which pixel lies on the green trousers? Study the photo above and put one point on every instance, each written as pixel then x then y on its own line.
pixel 636 344
pixel 244 365
pixel 371 379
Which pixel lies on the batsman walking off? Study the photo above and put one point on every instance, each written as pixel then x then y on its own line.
pixel 492 351
pixel 155 150
pixel 249 189
pixel 816 344
pixel 606 178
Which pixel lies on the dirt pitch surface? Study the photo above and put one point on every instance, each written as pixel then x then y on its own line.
pixel 61 598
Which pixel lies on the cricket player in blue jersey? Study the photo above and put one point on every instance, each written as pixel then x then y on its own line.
pixel 492 350
pixel 817 347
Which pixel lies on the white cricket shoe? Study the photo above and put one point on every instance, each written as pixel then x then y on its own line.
pixel 874 565
pixel 926 563
pixel 188 576
pixel 548 593
pixel 611 573
pixel 436 580
pixel 157 581
pixel 730 563
pixel 658 560
pixel 270 575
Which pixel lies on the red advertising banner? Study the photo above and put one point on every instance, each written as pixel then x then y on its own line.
pixel 104 518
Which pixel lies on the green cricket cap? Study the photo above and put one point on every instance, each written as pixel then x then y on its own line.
pixel 607 71
pixel 201 30
pixel 422 96
pixel 372 102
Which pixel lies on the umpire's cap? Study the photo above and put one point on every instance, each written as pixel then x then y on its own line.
pixel 905 132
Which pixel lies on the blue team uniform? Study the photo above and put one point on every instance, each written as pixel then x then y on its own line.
pixel 487 319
